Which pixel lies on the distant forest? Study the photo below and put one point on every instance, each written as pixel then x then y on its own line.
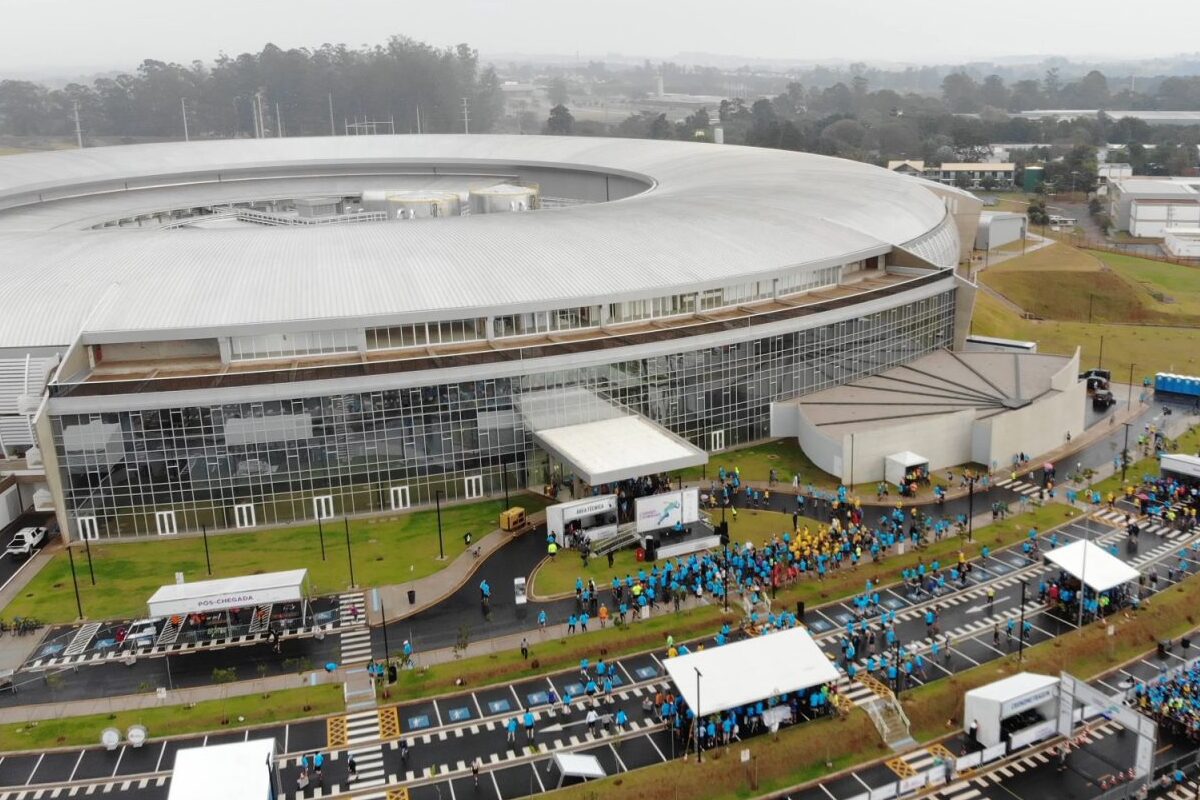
pixel 401 79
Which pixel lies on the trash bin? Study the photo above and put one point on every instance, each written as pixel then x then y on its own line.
pixel 412 597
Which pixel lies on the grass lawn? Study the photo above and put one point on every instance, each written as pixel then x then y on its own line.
pixel 391 549
pixel 1189 442
pixel 558 576
pixel 1054 258
pixel 1152 349
pixel 307 701
pixel 756 462
pixel 1180 283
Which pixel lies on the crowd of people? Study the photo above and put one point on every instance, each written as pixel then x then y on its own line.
pixel 1174 701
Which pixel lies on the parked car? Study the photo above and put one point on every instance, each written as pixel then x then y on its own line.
pixel 1103 400
pixel 25 542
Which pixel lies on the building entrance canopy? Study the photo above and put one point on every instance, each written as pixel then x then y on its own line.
pixel 603 442
pixel 204 597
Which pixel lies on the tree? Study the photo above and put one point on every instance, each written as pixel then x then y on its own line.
pixel 962 180
pixel 560 122
pixel 222 678
pixel 1051 86
pixel 1037 212
pixel 960 92
pixel 993 92
pixel 556 92
pixel 988 183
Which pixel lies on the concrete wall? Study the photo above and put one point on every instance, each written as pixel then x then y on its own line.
pixel 1000 230
pixel 823 450
pixel 1183 246
pixel 1146 219
pixel 1042 426
pixel 154 351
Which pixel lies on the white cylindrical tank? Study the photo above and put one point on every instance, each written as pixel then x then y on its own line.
pixel 504 197
pixel 422 205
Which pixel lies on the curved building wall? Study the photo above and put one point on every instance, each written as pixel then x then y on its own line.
pixel 207 462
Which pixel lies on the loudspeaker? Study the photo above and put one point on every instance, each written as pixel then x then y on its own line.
pixel 800 610
pixel 651 548
pixel 1185 642
pixel 723 532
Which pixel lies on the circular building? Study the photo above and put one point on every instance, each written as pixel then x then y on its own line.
pixel 226 334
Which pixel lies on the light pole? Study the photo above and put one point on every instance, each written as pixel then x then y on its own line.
pixel 971 507
pixel 437 502
pixel 1129 397
pixel 75 581
pixel 699 722
pixel 349 555
pixel 725 576
pixel 1021 642
pixel 1125 456
pixel 504 481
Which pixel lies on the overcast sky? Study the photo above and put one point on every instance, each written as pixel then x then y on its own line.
pixel 63 35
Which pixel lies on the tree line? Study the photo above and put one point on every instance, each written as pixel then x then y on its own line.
pixel 402 80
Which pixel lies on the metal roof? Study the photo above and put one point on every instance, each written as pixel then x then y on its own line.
pixel 712 215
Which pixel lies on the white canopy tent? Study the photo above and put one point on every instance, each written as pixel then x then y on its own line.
pixel 750 670
pixel 235 771
pixel 897 465
pixel 1180 465
pixel 991 704
pixel 225 593
pixel 618 448
pixel 1095 567
pixel 576 765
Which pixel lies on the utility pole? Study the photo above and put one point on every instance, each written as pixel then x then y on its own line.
pixel 78 129
pixel 278 122
pixel 1125 456
pixel 466 116
pixel 418 120
pixel 1021 642
pixel 183 108
pixel 332 130
pixel 695 718
pixel 1129 399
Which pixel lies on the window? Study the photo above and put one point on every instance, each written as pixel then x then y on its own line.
pixel 290 345
pixel 88 529
pixel 323 506
pixel 473 486
pixel 399 498
pixel 244 515
pixel 165 520
pixel 716 440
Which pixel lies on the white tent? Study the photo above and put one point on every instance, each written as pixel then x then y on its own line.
pixel 750 670
pixel 897 465
pixel 1092 565
pixel 621 447
pixel 236 771
pixel 991 704
pixel 225 593
pixel 577 765
pixel 1180 464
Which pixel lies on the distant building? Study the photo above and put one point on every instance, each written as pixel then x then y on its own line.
pixel 1106 173
pixel 916 168
pixel 1182 242
pixel 1001 173
pixel 1148 206
pixel 998 228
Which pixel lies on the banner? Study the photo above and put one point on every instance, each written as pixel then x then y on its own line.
pixel 658 511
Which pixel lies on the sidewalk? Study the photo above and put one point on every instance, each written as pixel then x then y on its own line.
pixel 15 650
pixel 432 589
pixel 176 697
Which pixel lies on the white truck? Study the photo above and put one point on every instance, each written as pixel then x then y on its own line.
pixel 25 542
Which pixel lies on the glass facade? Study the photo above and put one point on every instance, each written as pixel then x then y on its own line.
pixel 174 469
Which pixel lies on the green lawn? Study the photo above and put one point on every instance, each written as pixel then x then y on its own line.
pixel 387 550
pixel 1152 349
pixel 756 462
pixel 1180 283
pixel 558 576
pixel 242 711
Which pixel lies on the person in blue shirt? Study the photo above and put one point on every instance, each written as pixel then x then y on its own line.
pixel 571 620
pixel 511 730
pixel 621 719
pixel 528 720
pixel 542 620
pixel 583 621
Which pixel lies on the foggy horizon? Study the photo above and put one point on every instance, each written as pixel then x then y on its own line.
pixel 878 32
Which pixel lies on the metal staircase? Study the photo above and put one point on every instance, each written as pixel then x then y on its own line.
pixel 260 621
pixel 626 536
pixel 170 632
pixel 888 715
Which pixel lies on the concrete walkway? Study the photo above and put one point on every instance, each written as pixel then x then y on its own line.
pixel 432 589
pixel 176 697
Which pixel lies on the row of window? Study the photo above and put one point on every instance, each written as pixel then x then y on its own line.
pixel 245 516
pixel 427 333
pixel 291 345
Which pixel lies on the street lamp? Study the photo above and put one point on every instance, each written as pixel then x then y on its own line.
pixel 1125 456
pixel 437 501
pixel 699 752
pixel 971 506
pixel 1021 641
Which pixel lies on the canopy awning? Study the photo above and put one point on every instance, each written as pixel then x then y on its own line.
pixel 1094 566
pixel 235 771
pixel 618 448
pixel 225 593
pixel 578 765
pixel 1017 693
pixel 748 671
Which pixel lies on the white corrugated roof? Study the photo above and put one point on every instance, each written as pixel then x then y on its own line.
pixel 713 213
